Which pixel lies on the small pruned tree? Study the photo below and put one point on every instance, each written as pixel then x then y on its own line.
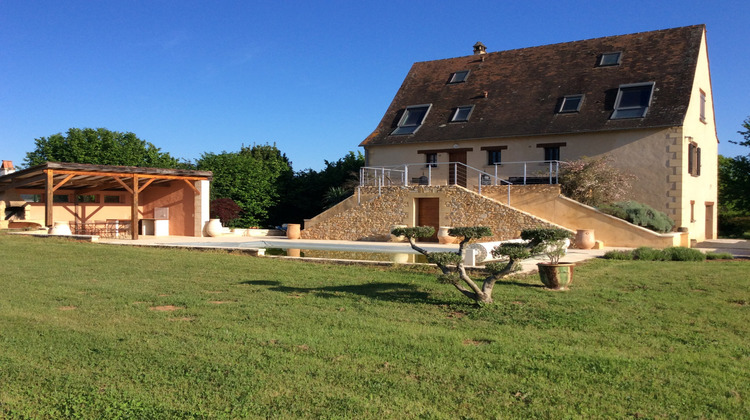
pixel 451 264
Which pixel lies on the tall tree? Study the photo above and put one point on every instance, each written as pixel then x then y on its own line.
pixel 99 147
pixel 734 178
pixel 309 192
pixel 251 177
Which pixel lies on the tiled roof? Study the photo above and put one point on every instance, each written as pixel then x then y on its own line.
pixel 524 88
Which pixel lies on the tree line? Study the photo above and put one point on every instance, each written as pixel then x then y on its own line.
pixel 254 186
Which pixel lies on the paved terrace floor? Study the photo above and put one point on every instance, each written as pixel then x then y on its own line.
pixel 244 243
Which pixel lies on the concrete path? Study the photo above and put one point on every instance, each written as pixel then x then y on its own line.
pixel 253 243
pixel 737 247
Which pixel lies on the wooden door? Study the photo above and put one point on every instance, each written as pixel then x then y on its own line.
pixel 457 175
pixel 428 214
pixel 710 221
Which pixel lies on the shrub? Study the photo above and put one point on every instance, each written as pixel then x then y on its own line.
pixel 719 256
pixel 680 253
pixel 618 255
pixel 640 214
pixel 225 209
pixel 645 253
pixel 594 181
pixel 734 225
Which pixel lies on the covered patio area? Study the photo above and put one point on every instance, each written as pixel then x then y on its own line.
pixel 110 201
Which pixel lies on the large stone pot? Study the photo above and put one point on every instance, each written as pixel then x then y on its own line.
pixel 293 231
pixel 395 238
pixel 213 228
pixel 585 239
pixel 556 276
pixel 444 237
pixel 60 228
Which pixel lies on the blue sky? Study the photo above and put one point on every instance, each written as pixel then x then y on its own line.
pixel 312 77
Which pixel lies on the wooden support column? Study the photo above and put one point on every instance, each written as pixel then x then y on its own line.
pixel 49 199
pixel 134 209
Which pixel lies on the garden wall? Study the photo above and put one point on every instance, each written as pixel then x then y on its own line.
pixel 458 206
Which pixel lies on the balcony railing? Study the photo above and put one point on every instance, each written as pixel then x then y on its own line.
pixel 456 173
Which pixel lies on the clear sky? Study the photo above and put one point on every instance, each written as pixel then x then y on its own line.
pixel 313 77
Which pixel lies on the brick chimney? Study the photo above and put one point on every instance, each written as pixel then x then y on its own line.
pixel 7 168
pixel 479 49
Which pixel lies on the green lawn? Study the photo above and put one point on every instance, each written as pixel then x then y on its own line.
pixel 81 337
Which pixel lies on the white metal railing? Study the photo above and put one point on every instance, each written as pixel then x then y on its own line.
pixel 444 173
pixel 529 172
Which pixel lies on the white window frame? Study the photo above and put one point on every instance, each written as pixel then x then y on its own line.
pixel 454 118
pixel 455 79
pixel 404 129
pixel 562 109
pixel 609 54
pixel 627 111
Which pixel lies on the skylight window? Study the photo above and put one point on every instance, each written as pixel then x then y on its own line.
pixel 459 76
pixel 570 104
pixel 610 59
pixel 462 113
pixel 412 119
pixel 633 100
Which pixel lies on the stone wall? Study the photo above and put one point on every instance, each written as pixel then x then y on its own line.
pixel 396 205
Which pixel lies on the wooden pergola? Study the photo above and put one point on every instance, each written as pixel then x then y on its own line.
pixel 86 179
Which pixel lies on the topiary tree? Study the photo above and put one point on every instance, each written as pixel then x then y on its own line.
pixel 451 264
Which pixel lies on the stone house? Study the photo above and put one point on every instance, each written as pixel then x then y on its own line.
pixel 490 119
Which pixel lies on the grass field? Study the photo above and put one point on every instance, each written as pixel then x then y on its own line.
pixel 96 331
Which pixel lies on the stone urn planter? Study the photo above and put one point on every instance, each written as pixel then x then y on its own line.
pixel 60 228
pixel 395 238
pixel 585 239
pixel 293 231
pixel 557 276
pixel 444 237
pixel 213 228
pixel 552 243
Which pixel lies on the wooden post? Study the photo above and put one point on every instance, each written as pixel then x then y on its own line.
pixel 49 203
pixel 134 209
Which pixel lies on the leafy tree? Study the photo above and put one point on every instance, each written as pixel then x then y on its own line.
pixel 734 178
pixel 734 184
pixel 307 193
pixel 251 177
pixel 99 147
pixel 594 181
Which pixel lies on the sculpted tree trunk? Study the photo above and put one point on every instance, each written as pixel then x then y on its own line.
pixel 451 264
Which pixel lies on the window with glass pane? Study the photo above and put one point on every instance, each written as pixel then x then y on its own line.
pixel 111 198
pixel 633 101
pixel 552 153
pixel 459 76
pixel 494 157
pixel 431 159
pixel 462 113
pixel 610 59
pixel 60 198
pixel 89 198
pixel 31 198
pixel 571 103
pixel 703 106
pixel 412 119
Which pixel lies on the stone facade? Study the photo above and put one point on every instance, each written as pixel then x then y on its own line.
pixel 372 220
